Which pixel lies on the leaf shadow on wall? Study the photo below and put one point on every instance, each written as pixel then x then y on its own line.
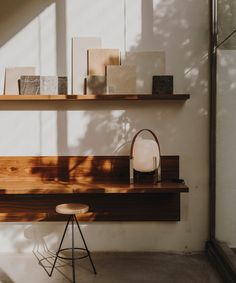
pixel 112 125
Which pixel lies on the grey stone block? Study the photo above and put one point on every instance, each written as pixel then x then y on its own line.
pixel 96 85
pixel 45 85
pixel 162 85
pixel 62 85
pixel 29 85
pixel 50 85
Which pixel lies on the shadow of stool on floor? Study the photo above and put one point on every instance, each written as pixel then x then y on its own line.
pixel 4 277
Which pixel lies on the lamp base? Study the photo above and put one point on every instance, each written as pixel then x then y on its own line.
pixel 146 177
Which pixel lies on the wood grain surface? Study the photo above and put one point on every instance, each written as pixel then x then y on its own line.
pixel 31 187
pixel 103 207
pixel 93 97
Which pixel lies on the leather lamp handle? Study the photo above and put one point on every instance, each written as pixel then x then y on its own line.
pixel 134 138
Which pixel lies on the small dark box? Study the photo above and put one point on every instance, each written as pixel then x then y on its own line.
pixel 162 85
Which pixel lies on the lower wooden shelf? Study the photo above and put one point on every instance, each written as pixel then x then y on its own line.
pixel 103 207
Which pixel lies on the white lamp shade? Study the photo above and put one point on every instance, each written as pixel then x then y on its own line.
pixel 144 152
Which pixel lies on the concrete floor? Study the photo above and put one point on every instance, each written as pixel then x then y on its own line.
pixel 113 268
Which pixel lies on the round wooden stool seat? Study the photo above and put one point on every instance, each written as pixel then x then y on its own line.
pixel 72 208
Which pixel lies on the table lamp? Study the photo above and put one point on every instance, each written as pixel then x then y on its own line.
pixel 145 161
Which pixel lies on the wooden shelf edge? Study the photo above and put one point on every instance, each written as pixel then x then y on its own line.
pixel 91 97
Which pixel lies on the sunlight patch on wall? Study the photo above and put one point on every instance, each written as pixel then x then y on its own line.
pixel 48 133
pixel 28 134
pixel 47 41
pixel 77 127
pixel 21 133
pixel 103 18
pixel 97 133
pixel 117 113
pixel 133 23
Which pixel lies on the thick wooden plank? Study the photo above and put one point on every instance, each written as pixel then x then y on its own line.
pixel 26 187
pixel 92 97
pixel 108 207
pixel 92 169
pixel 31 187
pixel 76 174
pixel 65 168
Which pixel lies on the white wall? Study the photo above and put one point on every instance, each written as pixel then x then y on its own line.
pixel 42 37
pixel 226 140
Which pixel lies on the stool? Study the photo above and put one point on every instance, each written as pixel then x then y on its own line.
pixel 72 209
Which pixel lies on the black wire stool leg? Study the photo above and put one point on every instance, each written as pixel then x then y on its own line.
pixel 90 258
pixel 73 252
pixel 54 264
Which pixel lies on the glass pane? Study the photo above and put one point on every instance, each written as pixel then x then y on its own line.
pixel 226 126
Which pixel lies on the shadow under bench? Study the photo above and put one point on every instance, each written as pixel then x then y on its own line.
pixel 31 187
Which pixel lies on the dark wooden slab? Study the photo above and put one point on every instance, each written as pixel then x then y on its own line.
pixel 91 169
pixel 103 207
pixel 31 187
pixel 94 98
pixel 26 187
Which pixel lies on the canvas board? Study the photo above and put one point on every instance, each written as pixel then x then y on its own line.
pixel 98 59
pixel 80 46
pixel 121 79
pixel 148 64
pixel 12 78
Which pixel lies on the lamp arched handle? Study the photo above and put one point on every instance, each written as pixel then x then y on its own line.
pixel 134 138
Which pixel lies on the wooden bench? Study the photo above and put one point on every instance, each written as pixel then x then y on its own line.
pixel 31 187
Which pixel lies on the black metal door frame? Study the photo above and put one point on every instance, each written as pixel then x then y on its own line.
pixel 217 252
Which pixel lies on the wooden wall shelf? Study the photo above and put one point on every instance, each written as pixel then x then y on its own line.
pixel 31 187
pixel 91 97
